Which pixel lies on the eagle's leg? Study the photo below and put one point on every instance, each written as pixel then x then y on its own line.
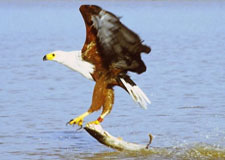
pixel 107 107
pixel 97 102
pixel 78 120
pixel 100 118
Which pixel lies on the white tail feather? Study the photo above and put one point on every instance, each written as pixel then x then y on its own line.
pixel 137 94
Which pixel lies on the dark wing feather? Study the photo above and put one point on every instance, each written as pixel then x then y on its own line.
pixel 118 46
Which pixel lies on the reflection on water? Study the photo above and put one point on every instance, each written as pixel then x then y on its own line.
pixel 185 81
pixel 197 151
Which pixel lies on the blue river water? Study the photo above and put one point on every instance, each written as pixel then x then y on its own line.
pixel 185 81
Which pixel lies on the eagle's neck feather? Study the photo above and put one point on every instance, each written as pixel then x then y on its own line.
pixel 74 61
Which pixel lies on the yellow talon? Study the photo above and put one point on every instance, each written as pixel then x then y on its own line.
pixel 96 122
pixel 79 121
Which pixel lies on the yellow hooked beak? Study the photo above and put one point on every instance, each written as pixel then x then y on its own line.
pixel 49 57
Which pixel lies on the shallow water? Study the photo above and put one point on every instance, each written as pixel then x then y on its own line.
pixel 185 81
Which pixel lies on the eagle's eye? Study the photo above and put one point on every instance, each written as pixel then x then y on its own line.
pixel 53 55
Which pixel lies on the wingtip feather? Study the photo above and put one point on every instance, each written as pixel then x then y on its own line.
pixel 137 94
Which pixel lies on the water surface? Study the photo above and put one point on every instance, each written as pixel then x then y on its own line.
pixel 185 81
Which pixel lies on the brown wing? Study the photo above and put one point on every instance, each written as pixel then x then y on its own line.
pixel 111 41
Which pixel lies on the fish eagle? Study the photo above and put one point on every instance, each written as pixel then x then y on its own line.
pixel 109 52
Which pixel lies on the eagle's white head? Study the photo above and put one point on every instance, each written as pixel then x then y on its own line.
pixel 72 60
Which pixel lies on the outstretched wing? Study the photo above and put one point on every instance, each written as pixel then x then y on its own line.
pixel 118 46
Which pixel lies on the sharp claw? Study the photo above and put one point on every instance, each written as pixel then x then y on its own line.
pixel 68 122
pixel 80 128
